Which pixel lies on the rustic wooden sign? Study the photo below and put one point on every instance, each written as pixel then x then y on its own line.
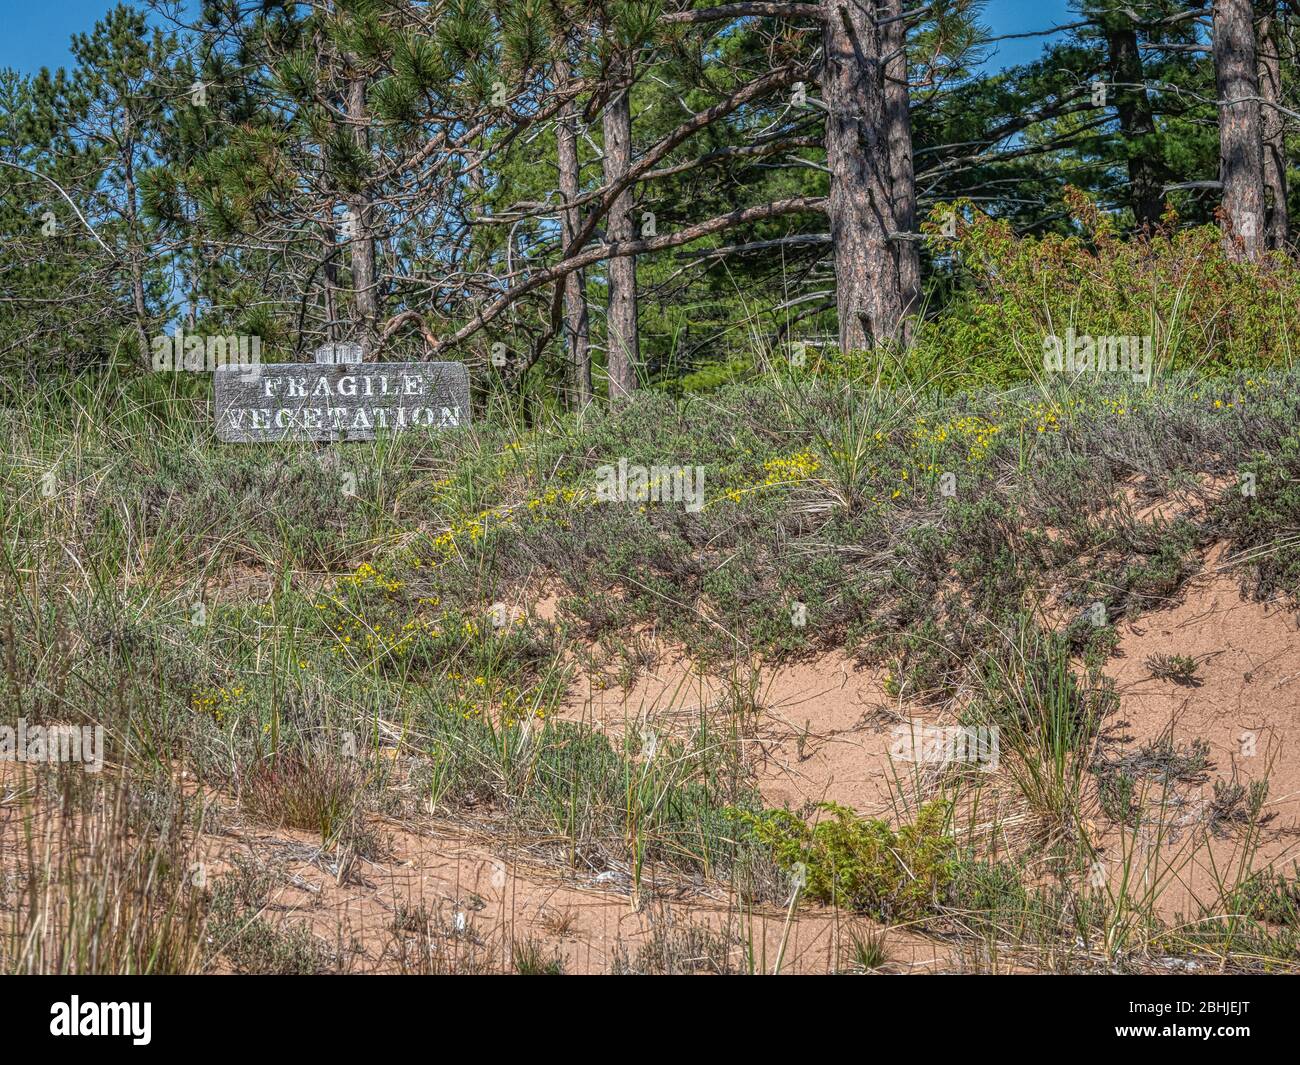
pixel 344 401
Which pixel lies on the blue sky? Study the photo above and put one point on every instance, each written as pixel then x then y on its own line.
pixel 1017 16
pixel 35 33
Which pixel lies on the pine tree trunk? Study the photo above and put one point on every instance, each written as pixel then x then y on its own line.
pixel 1241 155
pixel 1137 124
pixel 898 118
pixel 361 228
pixel 1277 232
pixel 330 287
pixel 859 204
pixel 576 332
pixel 622 342
pixel 134 266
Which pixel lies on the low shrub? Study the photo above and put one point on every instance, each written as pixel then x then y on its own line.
pixel 862 864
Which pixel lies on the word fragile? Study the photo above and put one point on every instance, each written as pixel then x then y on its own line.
pixel 349 385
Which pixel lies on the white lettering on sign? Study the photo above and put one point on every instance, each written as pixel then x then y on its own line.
pixel 286 401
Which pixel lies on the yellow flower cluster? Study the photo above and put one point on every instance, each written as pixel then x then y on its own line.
pixel 568 496
pixel 507 703
pixel 217 701
pixel 377 638
pixel 977 432
pixel 367 576
pixel 471 529
pixel 783 470
pixel 1043 415
pixel 797 467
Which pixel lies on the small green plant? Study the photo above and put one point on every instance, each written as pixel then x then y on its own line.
pixel 1236 806
pixel 251 944
pixel 1048 718
pixel 240 934
pixel 1270 897
pixel 1118 795
pixel 531 960
pixel 863 864
pixel 1181 669
pixel 867 951
pixel 307 789
pixel 680 948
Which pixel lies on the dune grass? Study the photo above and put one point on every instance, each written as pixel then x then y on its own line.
pixel 328 633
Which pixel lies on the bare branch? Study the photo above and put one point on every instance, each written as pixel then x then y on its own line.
pixel 602 252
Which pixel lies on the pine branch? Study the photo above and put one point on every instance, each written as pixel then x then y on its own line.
pixel 602 252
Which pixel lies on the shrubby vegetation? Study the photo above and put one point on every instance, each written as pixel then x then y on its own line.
pixel 333 623
pixel 1205 310
pixel 639 229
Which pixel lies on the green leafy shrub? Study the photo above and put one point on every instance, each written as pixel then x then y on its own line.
pixel 1267 896
pixel 863 864
pixel 1203 310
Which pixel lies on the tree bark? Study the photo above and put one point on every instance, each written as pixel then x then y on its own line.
pixel 361 228
pixel 576 329
pixel 133 256
pixel 1137 123
pixel 330 286
pixel 898 120
pixel 1277 232
pixel 1241 155
pixel 860 201
pixel 621 340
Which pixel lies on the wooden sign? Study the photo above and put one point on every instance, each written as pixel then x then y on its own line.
pixel 344 401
